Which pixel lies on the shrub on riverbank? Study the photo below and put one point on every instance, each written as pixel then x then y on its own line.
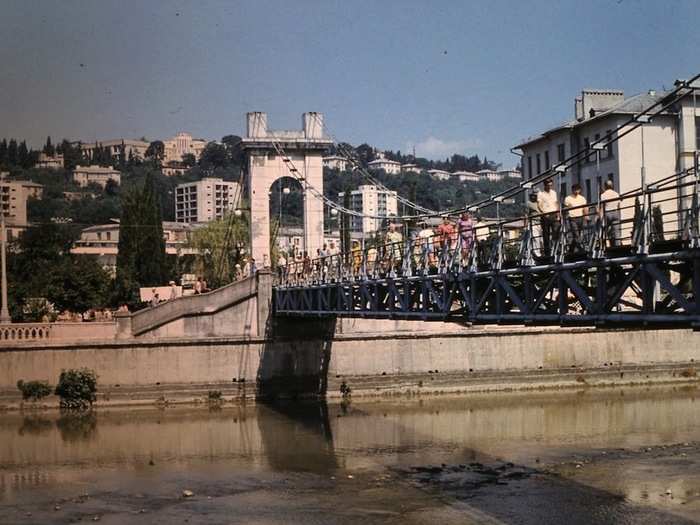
pixel 33 390
pixel 77 388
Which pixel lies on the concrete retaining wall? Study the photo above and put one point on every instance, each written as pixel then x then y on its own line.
pixel 300 361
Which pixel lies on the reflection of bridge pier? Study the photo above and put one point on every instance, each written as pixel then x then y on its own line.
pixel 272 155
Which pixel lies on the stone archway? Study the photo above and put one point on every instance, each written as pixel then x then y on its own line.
pixel 304 153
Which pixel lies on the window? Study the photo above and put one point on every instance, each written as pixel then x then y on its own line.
pixel 561 153
pixel 562 189
pixel 599 188
pixel 537 161
pixel 609 146
pixel 529 166
pixel 588 190
pixel 586 147
pixel 546 160
pixel 697 133
pixel 109 236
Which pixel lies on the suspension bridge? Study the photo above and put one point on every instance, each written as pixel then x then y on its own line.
pixel 633 259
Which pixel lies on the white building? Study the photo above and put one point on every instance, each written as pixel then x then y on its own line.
pixel 440 174
pixel 390 167
pixel 335 162
pixel 84 175
pixel 370 200
pixel 670 142
pixel 134 148
pixel 102 241
pixel 410 168
pixel 490 175
pixel 182 144
pixel 513 173
pixel 466 176
pixel 205 200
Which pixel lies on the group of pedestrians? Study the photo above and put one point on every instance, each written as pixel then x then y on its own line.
pixel 544 212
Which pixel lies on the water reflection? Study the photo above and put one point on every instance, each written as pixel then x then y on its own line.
pixel 322 440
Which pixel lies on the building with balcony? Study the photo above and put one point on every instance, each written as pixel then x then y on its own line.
pixel 205 200
pixel 51 162
pixel 440 174
pixel 100 175
pixel 466 176
pixel 14 195
pixel 391 167
pixel 410 168
pixel 370 200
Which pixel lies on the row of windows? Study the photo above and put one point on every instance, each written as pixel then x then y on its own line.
pixel 561 155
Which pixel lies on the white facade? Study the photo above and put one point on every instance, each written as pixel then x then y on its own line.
pixel 370 200
pixel 14 195
pixel 335 162
pixel 490 175
pixel 440 174
pixel 205 200
pixel 52 162
pixel 391 167
pixel 513 173
pixel 670 141
pixel 84 175
pixel 181 144
pixel 466 176
pixel 410 168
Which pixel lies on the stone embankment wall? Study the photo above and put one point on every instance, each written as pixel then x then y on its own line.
pixel 306 357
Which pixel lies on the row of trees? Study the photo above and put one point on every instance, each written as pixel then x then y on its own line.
pixel 15 154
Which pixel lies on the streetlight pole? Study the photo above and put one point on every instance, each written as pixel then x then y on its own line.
pixel 4 312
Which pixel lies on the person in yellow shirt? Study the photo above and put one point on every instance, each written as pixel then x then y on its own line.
pixel 577 213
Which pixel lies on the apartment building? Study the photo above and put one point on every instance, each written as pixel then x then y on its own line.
pixel 335 162
pixel 370 200
pixel 14 195
pixel 100 175
pixel 205 200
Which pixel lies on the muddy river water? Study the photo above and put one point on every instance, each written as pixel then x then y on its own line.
pixel 596 456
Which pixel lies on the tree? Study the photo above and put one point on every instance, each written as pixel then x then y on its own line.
pixel 156 151
pixel 188 160
pixel 12 153
pixel 48 147
pixel 219 247
pixel 141 259
pixel 214 156
pixel 78 283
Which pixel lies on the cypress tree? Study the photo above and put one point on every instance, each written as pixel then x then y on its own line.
pixel 23 157
pixel 48 147
pixel 12 152
pixel 3 151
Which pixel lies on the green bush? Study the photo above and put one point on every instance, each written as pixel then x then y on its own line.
pixel 76 388
pixel 33 390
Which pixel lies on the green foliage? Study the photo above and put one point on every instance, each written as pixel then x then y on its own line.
pixel 141 260
pixel 156 150
pixel 214 395
pixel 77 388
pixel 16 155
pixel 34 390
pixel 220 244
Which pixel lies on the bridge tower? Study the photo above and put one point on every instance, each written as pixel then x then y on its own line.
pixel 272 155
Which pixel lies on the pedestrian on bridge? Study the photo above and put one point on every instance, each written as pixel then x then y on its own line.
pixel 577 216
pixel 548 204
pixel 611 213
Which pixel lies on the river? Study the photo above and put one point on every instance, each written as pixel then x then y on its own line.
pixel 592 456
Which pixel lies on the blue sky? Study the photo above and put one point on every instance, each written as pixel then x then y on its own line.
pixel 447 77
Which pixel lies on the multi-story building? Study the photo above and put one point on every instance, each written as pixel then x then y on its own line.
pixel 466 176
pixel 391 167
pixel 130 148
pixel 205 200
pixel 490 175
pixel 370 200
pixel 440 174
pixel 513 173
pixel 14 195
pixel 84 175
pixel 102 240
pixel 669 142
pixel 335 162
pixel 182 144
pixel 52 162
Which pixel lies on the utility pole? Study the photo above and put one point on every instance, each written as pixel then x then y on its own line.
pixel 4 312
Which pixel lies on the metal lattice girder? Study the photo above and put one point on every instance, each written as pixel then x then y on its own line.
pixel 657 288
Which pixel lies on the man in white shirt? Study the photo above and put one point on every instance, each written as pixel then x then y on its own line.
pixel 548 204
pixel 611 213
pixel 577 214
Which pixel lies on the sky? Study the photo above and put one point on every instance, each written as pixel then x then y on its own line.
pixel 467 77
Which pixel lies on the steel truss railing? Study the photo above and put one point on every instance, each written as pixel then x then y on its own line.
pixel 631 259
